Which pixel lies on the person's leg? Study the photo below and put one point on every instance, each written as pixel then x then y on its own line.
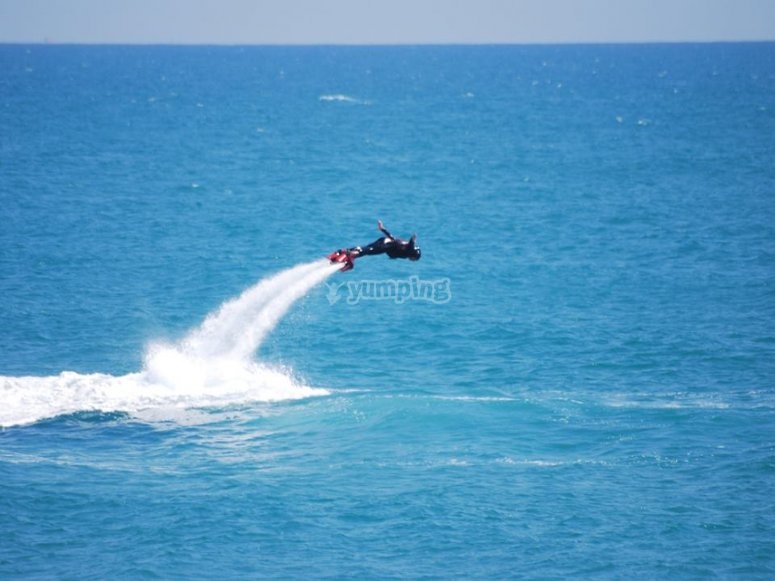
pixel 379 246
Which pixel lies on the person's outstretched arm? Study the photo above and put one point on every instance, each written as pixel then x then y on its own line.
pixel 382 228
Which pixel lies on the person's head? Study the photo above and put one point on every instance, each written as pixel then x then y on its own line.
pixel 415 253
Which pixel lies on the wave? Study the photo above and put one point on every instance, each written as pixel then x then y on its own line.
pixel 342 99
pixel 213 365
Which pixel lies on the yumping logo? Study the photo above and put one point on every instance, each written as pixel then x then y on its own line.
pixel 413 289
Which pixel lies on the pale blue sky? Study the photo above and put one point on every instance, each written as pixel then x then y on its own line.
pixel 384 21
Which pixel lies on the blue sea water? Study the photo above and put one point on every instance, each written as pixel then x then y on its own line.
pixel 584 388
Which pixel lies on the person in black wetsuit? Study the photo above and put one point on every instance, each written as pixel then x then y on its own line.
pixel 390 245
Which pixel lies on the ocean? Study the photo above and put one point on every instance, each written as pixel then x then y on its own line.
pixel 577 380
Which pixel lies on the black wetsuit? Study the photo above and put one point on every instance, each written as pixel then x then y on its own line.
pixel 393 247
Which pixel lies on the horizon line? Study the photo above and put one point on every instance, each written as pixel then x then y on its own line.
pixel 47 42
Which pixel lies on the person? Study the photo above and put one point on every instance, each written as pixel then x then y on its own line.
pixel 390 245
pixel 387 244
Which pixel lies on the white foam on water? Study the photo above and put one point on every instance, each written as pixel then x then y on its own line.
pixel 343 99
pixel 214 365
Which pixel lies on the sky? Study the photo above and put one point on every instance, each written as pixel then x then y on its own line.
pixel 384 21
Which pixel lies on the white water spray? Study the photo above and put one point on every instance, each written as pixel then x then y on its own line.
pixel 239 326
pixel 217 357
pixel 214 365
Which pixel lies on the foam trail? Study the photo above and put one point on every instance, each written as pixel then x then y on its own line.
pixel 213 365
